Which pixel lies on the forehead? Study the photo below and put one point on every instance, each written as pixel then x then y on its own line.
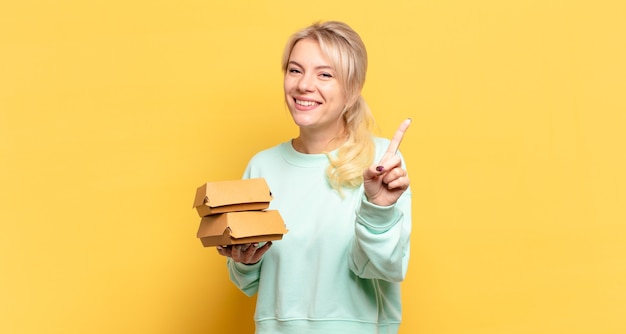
pixel 308 52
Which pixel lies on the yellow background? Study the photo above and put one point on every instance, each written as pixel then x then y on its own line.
pixel 113 112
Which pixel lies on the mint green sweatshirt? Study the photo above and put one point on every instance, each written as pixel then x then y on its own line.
pixel 339 268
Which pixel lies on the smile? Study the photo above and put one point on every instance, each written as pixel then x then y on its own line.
pixel 306 103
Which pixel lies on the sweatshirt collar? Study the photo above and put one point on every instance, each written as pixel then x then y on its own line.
pixel 299 159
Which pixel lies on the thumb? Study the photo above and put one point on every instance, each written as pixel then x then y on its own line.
pixel 373 172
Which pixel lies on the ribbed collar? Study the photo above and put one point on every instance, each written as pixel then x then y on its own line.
pixel 296 158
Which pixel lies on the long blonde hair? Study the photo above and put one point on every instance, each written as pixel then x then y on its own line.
pixel 344 47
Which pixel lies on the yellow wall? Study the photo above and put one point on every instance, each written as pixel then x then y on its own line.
pixel 113 112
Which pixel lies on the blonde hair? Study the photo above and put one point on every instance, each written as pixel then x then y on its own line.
pixel 344 47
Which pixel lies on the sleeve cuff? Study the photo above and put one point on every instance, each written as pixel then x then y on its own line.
pixel 245 269
pixel 378 219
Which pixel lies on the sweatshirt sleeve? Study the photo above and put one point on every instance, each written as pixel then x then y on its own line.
pixel 245 276
pixel 381 247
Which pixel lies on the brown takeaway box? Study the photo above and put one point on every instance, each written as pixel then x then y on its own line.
pixel 229 196
pixel 243 227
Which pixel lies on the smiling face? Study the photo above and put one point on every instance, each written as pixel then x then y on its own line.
pixel 314 95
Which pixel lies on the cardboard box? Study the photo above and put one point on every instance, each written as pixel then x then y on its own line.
pixel 243 227
pixel 229 196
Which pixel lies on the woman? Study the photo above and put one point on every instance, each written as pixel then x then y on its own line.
pixel 343 195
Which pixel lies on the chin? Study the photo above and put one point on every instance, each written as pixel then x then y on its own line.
pixel 301 123
pixel 299 116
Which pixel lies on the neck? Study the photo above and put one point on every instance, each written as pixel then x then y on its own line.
pixel 312 143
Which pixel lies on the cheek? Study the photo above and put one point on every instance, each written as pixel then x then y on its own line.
pixel 286 90
pixel 334 92
pixel 288 85
pixel 335 98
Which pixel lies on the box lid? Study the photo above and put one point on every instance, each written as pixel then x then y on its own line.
pixel 222 193
pixel 242 224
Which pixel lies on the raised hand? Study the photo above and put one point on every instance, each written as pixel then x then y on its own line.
pixel 386 181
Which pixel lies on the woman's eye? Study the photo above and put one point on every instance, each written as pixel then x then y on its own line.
pixel 326 75
pixel 294 70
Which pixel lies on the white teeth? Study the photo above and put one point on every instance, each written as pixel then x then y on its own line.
pixel 305 103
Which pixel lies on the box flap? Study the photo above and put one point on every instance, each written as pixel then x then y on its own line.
pixel 249 223
pixel 221 193
pixel 242 224
pixel 212 226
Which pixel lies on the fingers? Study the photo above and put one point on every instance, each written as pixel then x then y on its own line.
pixel 224 250
pixel 396 140
pixel 392 175
pixel 396 179
pixel 244 253
pixel 259 253
pixel 389 164
pixel 389 160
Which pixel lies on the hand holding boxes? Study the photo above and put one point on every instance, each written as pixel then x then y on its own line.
pixel 234 212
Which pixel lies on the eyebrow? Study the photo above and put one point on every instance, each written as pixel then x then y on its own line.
pixel 321 67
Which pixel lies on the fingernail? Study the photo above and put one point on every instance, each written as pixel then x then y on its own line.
pixel 379 168
pixel 255 245
pixel 219 248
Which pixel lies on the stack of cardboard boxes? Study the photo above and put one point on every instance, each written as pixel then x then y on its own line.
pixel 234 212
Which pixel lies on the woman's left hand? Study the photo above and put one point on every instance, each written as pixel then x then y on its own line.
pixel 387 180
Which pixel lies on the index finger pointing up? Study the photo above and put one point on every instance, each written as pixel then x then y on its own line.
pixel 397 137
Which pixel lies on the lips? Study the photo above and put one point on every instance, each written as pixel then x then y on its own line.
pixel 306 103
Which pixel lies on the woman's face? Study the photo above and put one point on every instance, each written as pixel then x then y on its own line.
pixel 313 93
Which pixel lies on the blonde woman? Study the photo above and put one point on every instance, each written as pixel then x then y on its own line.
pixel 343 194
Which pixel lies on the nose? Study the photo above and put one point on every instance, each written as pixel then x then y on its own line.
pixel 305 83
